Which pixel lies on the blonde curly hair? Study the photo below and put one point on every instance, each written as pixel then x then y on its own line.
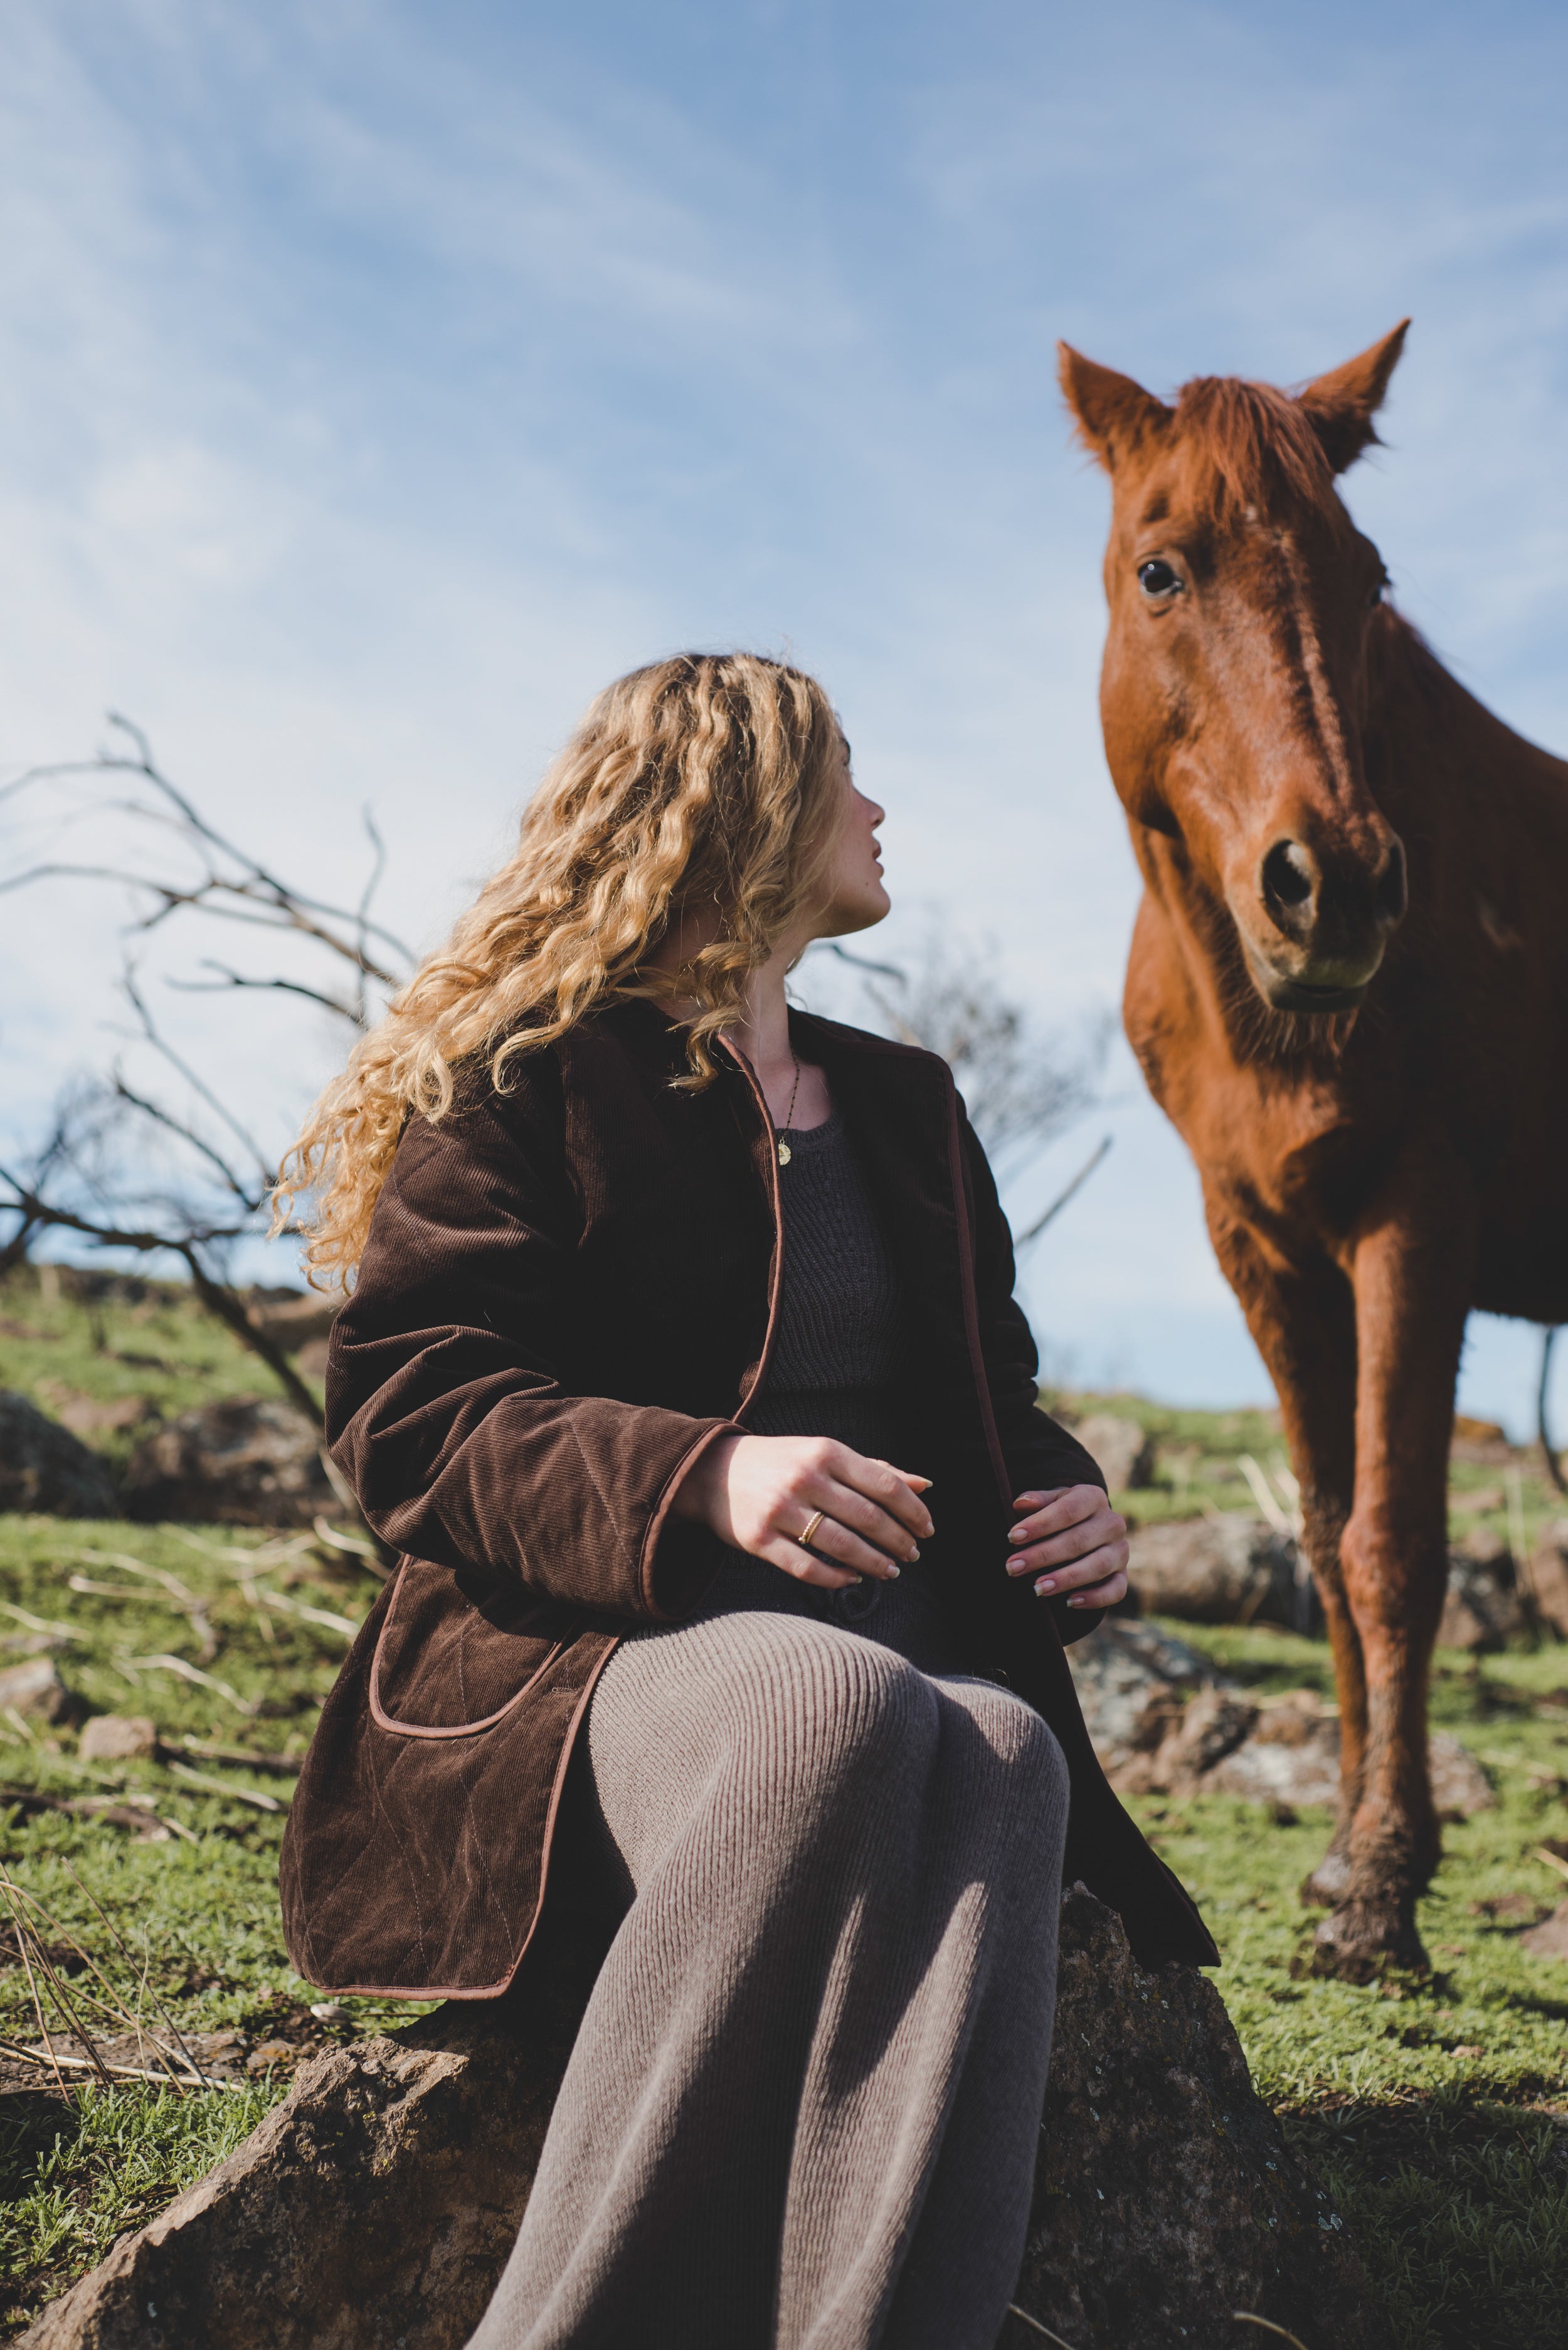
pixel 712 779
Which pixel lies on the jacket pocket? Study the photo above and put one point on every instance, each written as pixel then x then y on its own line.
pixel 444 1666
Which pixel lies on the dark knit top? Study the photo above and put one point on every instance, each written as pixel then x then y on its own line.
pixel 832 1373
pixel 836 1350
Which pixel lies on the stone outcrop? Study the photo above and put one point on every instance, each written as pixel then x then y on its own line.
pixel 1549 1579
pixel 1227 1568
pixel 1232 1568
pixel 1550 1939
pixel 1164 1720
pixel 1484 1606
pixel 44 1468
pixel 246 1461
pixel 1164 2197
pixel 36 1687
pixel 1124 1454
pixel 377 2204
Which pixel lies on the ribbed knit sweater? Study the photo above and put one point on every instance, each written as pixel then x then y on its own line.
pixel 836 1351
pixel 832 1373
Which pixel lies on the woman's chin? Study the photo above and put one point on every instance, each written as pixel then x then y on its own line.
pixel 860 909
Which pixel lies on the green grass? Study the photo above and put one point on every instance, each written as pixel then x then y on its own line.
pixel 198 1914
pixel 1437 2113
pixel 143 1338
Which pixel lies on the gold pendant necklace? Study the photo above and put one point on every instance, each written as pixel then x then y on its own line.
pixel 784 1152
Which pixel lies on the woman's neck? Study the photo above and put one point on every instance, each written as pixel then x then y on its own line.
pixel 761 1031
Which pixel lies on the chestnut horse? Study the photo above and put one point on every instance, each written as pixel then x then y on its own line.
pixel 1348 988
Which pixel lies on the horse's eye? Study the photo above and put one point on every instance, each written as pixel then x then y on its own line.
pixel 1156 578
pixel 1377 595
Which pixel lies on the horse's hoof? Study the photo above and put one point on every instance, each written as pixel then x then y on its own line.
pixel 1328 1882
pixel 1363 1940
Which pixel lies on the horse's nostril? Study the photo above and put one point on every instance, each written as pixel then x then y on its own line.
pixel 1289 877
pixel 1393 888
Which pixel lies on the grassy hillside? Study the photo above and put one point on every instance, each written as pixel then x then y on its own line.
pixel 1437 2111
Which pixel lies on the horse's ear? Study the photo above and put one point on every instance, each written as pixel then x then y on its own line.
pixel 1343 403
pixel 1115 414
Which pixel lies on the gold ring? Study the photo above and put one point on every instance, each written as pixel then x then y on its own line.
pixel 812 1524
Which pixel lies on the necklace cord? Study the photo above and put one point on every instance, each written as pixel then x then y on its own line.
pixel 782 1132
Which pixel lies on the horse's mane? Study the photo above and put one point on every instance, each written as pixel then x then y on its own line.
pixel 1248 444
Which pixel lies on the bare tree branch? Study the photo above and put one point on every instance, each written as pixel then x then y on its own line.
pixel 98 1175
pixel 1068 1192
pixel 220 1298
pixel 197 1084
pixel 228 978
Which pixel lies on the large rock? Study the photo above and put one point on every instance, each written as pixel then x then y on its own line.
pixel 1124 1454
pixel 44 1468
pixel 293 1318
pixel 247 1460
pixel 36 1688
pixel 1164 2198
pixel 1483 1608
pixel 1550 1939
pixel 1134 1681
pixel 1226 1568
pixel 1291 1755
pixel 377 2205
pixel 1549 1579
pixel 1164 1721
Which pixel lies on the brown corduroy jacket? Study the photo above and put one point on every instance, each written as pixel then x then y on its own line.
pixel 567 1294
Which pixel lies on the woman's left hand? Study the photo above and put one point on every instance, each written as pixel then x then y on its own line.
pixel 1075 1543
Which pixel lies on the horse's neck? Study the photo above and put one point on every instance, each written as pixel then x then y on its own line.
pixel 1438 756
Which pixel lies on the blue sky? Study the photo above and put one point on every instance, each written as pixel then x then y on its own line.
pixel 380 379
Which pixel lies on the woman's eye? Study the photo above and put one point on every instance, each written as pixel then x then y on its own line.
pixel 1156 578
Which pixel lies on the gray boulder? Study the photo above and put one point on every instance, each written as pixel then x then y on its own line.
pixel 377 2205
pixel 1164 1720
pixel 1549 1579
pixel 1227 1568
pixel 44 1468
pixel 1164 2197
pixel 1133 1683
pixel 248 1461
pixel 1550 1939
pixel 1124 1454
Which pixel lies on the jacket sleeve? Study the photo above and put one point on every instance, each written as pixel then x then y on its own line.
pixel 1039 1452
pixel 446 1407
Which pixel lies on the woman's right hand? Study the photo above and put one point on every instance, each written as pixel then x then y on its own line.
pixel 760 1494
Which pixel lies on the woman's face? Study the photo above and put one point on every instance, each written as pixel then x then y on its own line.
pixel 854 894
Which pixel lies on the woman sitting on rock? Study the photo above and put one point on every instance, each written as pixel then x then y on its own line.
pixel 682 1364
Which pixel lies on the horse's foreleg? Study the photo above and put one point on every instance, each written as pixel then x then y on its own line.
pixel 1301 1311
pixel 1412 1291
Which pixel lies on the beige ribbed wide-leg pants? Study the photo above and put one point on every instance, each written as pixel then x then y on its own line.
pixel 803 2107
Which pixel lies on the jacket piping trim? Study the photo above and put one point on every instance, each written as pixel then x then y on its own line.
pixel 504 1982
pixel 971 1304
pixel 662 1512
pixel 775 1205
pixel 384 1720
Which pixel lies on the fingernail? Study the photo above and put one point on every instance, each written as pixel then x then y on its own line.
pixel 1046 1582
pixel 892 1572
pixel 912 1556
pixel 1018 1534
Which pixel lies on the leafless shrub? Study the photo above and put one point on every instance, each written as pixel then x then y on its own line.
pixel 167 1164
pixel 1023 1086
